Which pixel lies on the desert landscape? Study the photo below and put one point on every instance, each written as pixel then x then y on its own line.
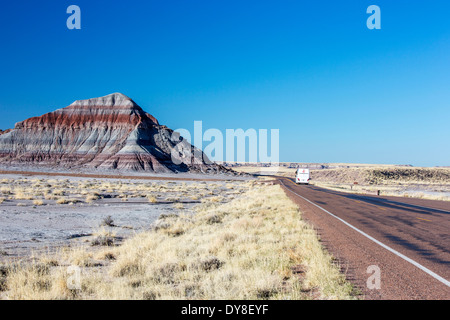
pixel 139 213
pixel 110 200
pixel 223 157
pixel 160 240
pixel 391 180
pixel 40 211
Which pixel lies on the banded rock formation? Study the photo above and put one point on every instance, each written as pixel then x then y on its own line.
pixel 110 132
pixel 4 131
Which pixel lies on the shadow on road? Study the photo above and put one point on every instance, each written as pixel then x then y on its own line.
pixel 380 201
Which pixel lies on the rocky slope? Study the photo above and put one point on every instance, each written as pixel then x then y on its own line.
pixel 110 132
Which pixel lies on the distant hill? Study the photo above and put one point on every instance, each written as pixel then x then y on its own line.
pixel 110 132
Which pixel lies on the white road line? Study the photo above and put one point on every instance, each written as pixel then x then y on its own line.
pixel 418 265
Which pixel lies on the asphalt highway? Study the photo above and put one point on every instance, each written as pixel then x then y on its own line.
pixel 391 248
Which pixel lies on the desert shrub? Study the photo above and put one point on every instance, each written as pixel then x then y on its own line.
pixel 38 202
pixel 108 221
pixel 210 264
pixel 103 240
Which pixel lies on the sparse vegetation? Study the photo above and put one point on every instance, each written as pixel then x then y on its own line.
pixel 21 195
pixel 178 206
pixel 108 221
pixel 38 202
pixel 103 240
pixel 246 248
pixel 390 180
pixel 64 191
pixel 62 201
pixel 423 183
pixel 92 197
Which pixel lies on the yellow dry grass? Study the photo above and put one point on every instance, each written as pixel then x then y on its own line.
pixel 64 191
pixel 243 249
pixel 38 202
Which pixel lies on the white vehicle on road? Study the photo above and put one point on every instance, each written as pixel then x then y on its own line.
pixel 302 176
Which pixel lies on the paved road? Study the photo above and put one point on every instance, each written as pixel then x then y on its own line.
pixel 407 240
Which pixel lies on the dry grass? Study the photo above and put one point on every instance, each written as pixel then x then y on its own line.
pixel 63 200
pixel 178 206
pixel 391 180
pixel 21 194
pixel 243 249
pixel 64 191
pixel 104 237
pixel 92 197
pixel 38 202
pixel 272 170
pixel 29 281
pixel 58 192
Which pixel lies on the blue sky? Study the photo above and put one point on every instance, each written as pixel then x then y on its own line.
pixel 337 91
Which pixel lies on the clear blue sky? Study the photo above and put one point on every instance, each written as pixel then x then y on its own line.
pixel 337 91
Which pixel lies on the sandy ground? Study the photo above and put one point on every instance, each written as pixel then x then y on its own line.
pixel 26 228
pixel 53 171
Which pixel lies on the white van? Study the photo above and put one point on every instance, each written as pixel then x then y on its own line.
pixel 302 176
